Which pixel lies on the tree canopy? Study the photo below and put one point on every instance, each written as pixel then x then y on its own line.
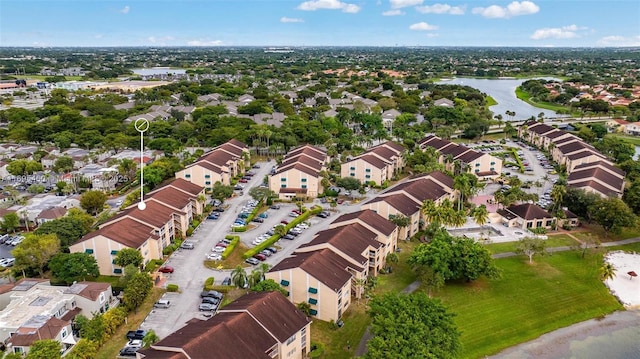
pixel 71 267
pixel 411 326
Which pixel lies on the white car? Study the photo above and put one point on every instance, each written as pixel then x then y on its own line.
pixel 217 249
pixel 214 257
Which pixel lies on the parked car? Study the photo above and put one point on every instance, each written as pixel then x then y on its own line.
pixel 136 334
pixel 260 257
pixel 226 281
pixel 258 220
pixel 266 253
pixel 213 216
pixel 284 222
pixel 210 300
pixel 187 245
pixel 255 166
pixel 212 294
pixel 165 269
pixel 207 307
pixel 214 257
pixel 129 351
pixel 275 206
pixel 218 209
pixel 242 180
pixel 289 237
pixel 272 249
pixel 218 249
pixel 252 261
pixel 7 262
pixel 162 303
pixel 264 215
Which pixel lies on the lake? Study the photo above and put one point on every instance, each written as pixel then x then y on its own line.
pixel 158 71
pixel 504 92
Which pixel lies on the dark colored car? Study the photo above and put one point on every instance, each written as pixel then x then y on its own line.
pixel 129 351
pixel 292 233
pixel 289 237
pixel 266 253
pixel 136 334
pixel 284 222
pixel 226 281
pixel 207 307
pixel 165 269
pixel 260 257
pixel 258 220
pixel 214 215
pixel 272 249
pixel 212 294
pixel 275 206
pixel 210 300
pixel 218 209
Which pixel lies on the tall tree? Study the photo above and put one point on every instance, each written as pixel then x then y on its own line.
pixel 411 326
pixel 136 291
pixel 36 251
pixel 612 214
pixel 128 256
pixel 93 201
pixel 530 246
pixel 480 215
pixel 10 222
pixel 68 230
pixel 71 267
pixel 239 277
pixel 84 349
pixel 268 285
pixel 45 349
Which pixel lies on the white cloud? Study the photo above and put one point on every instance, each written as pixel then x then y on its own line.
pixel 622 41
pixel 442 9
pixel 98 36
pixel 515 8
pixel 393 13
pixel 329 5
pixel 398 4
pixel 423 26
pixel 162 40
pixel 565 32
pixel 204 42
pixel 290 19
pixel 125 10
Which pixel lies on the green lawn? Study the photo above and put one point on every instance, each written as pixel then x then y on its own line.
pixel 559 240
pixel 524 96
pixel 342 342
pixel 590 230
pixel 402 274
pixel 634 140
pixel 528 301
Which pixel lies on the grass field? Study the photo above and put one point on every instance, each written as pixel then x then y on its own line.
pixel 524 96
pixel 559 240
pixel 232 261
pixel 591 230
pixel 634 140
pixel 490 102
pixel 528 301
pixel 112 346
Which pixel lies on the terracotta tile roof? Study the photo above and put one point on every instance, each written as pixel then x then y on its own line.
pixel 126 231
pixel 528 211
pixel 564 140
pixel 217 157
pixel 371 218
pixel 585 153
pixel 352 240
pixel 52 213
pixel 237 143
pixel 596 173
pixel 308 150
pixel 324 265
pixel 372 160
pixel 401 202
pixel 230 148
pixel 156 214
pixel 207 165
pixel 602 164
pixel 304 160
pixel 421 189
pixel 573 147
pixel 441 178
pixel 470 156
pixel 160 354
pixel 454 150
pixel 172 197
pixel 384 152
pixel 299 167
pixel 37 328
pixel 279 316
pixel 395 146
pixel 184 186
pixel 606 191
pixel 89 290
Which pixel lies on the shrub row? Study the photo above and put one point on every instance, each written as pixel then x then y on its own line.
pixel 273 239
pixel 234 242
pixel 251 216
pixel 172 247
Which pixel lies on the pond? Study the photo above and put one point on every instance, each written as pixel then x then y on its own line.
pixel 504 92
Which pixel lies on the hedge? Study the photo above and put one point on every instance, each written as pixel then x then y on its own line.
pixel 234 242
pixel 250 217
pixel 273 239
pixel 172 287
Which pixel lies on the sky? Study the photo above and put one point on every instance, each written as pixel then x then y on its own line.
pixel 536 23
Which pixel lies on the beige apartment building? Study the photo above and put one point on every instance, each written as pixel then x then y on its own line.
pixel 218 165
pixel 256 325
pixel 386 231
pixel 105 243
pixel 321 278
pixel 299 173
pixel 377 164
pixel 459 158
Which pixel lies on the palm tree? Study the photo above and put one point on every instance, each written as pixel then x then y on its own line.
pixel 359 284
pixel 254 278
pixel 457 218
pixel 263 268
pixel 480 215
pixel 392 258
pixel 431 211
pixel 239 277
pixel 557 194
pixel 607 271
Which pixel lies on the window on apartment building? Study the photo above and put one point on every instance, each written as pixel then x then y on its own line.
pixel 367 176
pixel 538 224
pixel 549 223
pixel 290 340
pixel 284 185
pixel 207 182
pixel 114 252
pixel 303 180
pixel 477 170
pixel 102 298
pixel 477 165
pixel 303 336
pixel 304 186
pixel 529 224
pixel 352 168
pixel 117 271
pixel 283 179
pixel 186 175
pixel 313 301
pixel 313 290
pixel 313 312
pixel 368 170
pixel 493 163
pixel 88 251
pixel 207 176
pixel 64 332
pixel 352 174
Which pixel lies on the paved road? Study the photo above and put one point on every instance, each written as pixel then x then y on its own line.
pixel 190 273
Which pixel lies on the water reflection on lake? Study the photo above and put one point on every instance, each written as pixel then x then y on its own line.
pixel 504 92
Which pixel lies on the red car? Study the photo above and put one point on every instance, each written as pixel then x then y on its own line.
pixel 284 222
pixel 340 201
pixel 165 269
pixel 243 180
pixel 260 257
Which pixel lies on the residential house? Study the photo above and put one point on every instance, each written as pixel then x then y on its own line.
pixel 443 102
pixel 219 165
pixel 321 278
pixel 617 125
pixel 378 164
pixel 632 128
pixel 256 325
pixel 526 216
pixel 299 173
pixel 459 158
pixel 33 309
pixel 406 198
pixel 599 177
pixel 50 214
